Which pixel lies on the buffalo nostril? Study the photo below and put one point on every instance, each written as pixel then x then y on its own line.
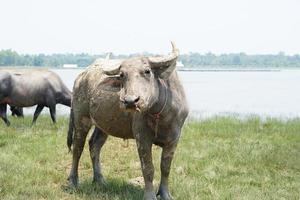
pixel 137 99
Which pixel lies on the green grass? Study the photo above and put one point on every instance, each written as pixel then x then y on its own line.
pixel 217 158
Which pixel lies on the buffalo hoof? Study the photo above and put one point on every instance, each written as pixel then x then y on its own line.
pixel 6 121
pixel 73 182
pixel 99 180
pixel 164 194
pixel 149 196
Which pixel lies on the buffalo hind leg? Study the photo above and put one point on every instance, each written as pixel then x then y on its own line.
pixel 3 114
pixel 37 112
pixel 96 142
pixel 53 113
pixel 16 111
pixel 165 165
pixel 81 129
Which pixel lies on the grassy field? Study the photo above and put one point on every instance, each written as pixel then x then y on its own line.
pixel 218 158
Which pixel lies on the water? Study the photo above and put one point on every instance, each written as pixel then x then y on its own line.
pixel 273 94
pixel 263 93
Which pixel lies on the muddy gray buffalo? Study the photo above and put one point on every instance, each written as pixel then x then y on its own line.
pixel 139 98
pixel 29 87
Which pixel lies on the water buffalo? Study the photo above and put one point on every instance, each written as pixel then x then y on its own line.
pixel 139 98
pixel 29 87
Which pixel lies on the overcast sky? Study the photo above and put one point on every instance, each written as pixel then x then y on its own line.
pixel 95 26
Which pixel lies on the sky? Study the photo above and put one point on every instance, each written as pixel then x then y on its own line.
pixel 132 26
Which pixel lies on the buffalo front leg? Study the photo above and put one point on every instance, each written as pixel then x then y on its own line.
pixel 96 142
pixel 37 112
pixel 165 165
pixel 145 153
pixel 81 131
pixel 3 114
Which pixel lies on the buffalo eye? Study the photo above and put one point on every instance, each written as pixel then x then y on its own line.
pixel 121 75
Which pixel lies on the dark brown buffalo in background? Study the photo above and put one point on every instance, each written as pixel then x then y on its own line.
pixel 28 87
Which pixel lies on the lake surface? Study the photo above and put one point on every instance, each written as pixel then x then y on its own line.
pixel 264 93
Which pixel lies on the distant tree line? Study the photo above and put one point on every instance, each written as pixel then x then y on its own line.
pixel 192 60
pixel 12 58
pixel 240 60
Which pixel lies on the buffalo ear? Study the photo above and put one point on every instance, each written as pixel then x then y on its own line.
pixel 163 66
pixel 163 71
pixel 111 68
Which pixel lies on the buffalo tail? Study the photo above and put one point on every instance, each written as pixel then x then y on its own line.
pixel 71 130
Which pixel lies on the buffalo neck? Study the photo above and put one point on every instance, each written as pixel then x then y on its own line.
pixel 159 106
